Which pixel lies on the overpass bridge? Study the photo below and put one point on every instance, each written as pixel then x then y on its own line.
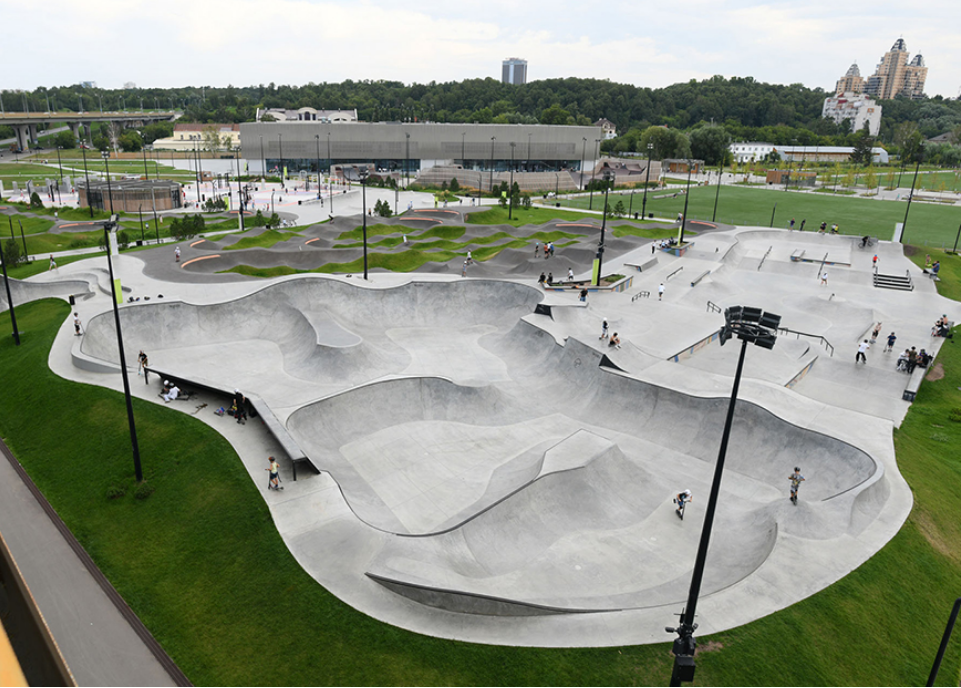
pixel 25 123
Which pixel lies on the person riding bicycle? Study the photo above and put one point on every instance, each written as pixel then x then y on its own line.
pixel 865 241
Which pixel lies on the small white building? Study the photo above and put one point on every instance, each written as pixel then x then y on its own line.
pixel 750 151
pixel 608 127
pixel 308 114
pixel 856 107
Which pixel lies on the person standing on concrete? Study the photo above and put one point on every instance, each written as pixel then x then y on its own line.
pixel 875 332
pixel 541 279
pixel 791 225
pixel 796 479
pixel 273 482
pixel 824 278
pixel 681 500
pixel 240 404
pixel 862 350
pixel 463 270
pixel 605 329
pixel 570 274
pixel 890 345
pixel 583 296
pixel 801 229
pixel 912 359
pixel 177 254
pixel 874 262
pixel 537 248
pixel 660 291
pixel 76 324
pixel 550 278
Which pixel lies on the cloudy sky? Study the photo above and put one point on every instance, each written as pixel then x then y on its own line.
pixel 243 42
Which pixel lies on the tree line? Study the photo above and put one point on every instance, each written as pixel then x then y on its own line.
pixel 744 108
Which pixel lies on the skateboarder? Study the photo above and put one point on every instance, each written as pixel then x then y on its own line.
pixel 891 339
pixel 604 330
pixel 862 350
pixel 796 479
pixel 273 482
pixel 681 500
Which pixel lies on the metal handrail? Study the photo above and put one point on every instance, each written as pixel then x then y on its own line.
pixel 673 273
pixel 641 294
pixel 828 346
pixel 711 306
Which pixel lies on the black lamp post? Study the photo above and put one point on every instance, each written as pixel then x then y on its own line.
pixel 280 144
pixel 717 194
pixel 510 191
pixel 60 165
pixel 527 164
pixel 407 159
pixel 263 160
pixel 760 328
pixel 463 149
pixel 687 196
pixel 597 142
pixel 583 151
pixel 106 163
pixel 911 195
pixel 363 185
pixel 493 138
pixel 647 179
pixel 197 157
pixel 138 471
pixel 608 178
pixel 330 175
pixel 240 189
pixel 83 149
pixel 143 238
pixel 143 149
pixel 317 141
pixel 6 282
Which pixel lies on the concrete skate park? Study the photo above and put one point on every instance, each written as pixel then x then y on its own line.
pixel 486 469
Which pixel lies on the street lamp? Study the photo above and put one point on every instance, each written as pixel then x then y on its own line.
pixel 263 161
pixel 493 138
pixel 112 224
pixel 647 179
pixel 106 163
pixel 363 174
pixel 330 175
pixel 599 261
pixel 717 194
pixel 60 164
pixel 143 149
pixel 687 196
pixel 580 186
pixel 911 195
pixel 407 160
pixel 280 143
pixel 597 142
pixel 510 191
pixel 6 282
pixel 240 189
pixel 83 149
pixel 317 141
pixel 759 328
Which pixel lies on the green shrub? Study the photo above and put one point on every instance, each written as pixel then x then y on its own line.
pixel 35 201
pixel 116 491
pixel 143 490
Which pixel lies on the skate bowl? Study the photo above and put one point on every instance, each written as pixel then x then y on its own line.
pixel 499 506
pixel 488 466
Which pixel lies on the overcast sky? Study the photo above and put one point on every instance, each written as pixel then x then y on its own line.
pixel 244 42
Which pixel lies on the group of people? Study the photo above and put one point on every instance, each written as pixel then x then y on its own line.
pixel 549 279
pixel 663 243
pixel 932 268
pixel 613 341
pixel 909 359
pixel 548 249
pixel 942 327
pixel 824 225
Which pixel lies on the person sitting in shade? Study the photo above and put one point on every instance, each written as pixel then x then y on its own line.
pixel 172 391
pixel 615 341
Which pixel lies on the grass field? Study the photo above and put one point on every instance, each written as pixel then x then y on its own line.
pixel 521 216
pixel 931 224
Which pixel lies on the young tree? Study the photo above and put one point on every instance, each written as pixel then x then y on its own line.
pixel 35 201
pixel 710 144
pixel 11 252
pixel 130 141
pixel 871 179
pixel 65 139
pixel 454 185
pixel 619 209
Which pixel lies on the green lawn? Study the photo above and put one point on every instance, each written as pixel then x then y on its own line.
pixel 521 216
pixel 931 223
pixel 265 239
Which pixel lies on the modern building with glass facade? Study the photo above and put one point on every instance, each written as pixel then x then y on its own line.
pixel 412 147
pixel 514 71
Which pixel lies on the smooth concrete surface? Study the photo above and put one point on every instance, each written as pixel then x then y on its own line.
pixel 484 478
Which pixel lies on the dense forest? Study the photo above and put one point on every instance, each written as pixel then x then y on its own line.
pixel 746 109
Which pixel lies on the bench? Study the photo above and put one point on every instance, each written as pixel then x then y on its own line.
pixel 700 277
pixel 270 421
pixel 914 383
pixel 798 255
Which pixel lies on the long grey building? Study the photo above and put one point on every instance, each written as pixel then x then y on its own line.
pixel 413 147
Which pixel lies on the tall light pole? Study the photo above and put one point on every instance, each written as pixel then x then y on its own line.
pixel 263 161
pixel 6 282
pixel 687 196
pixel 599 258
pixel 317 141
pixel 138 471
pixel 647 179
pixel 760 328
pixel 143 149
pixel 580 187
pixel 717 194
pixel 597 146
pixel 407 159
pixel 493 138
pixel 280 143
pixel 240 189
pixel 83 149
pixel 330 175
pixel 911 195
pixel 60 164
pixel 106 163
pixel 510 191
pixel 363 185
